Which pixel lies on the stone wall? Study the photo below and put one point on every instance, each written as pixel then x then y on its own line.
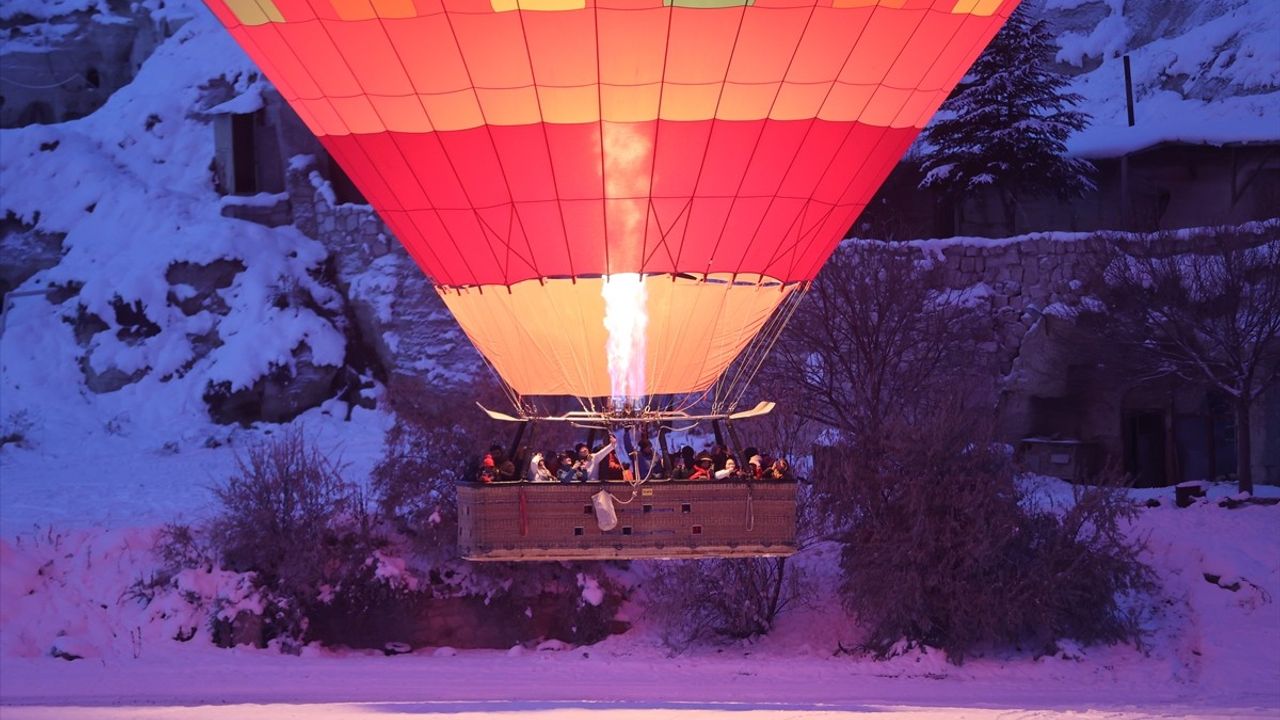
pixel 1044 381
pixel 399 313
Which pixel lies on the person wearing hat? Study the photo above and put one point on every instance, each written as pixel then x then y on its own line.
pixel 702 468
pixel 488 468
pixel 756 467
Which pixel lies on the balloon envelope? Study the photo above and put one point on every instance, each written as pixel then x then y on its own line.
pixel 522 150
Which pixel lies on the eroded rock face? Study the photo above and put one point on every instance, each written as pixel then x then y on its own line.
pixel 279 396
pixel 25 251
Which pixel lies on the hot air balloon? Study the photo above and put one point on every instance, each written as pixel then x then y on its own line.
pixel 620 201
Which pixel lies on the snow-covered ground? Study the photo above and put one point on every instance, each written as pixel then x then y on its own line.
pixel 82 496
pixel 1211 651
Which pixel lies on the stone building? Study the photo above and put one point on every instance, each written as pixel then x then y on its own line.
pixel 1057 402
pixel 49 77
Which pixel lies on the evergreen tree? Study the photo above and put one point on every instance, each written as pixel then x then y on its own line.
pixel 1006 124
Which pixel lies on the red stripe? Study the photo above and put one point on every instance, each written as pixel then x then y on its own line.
pixel 783 215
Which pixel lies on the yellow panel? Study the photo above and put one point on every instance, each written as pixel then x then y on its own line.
pixel 977 7
pixel 255 12
pixel 885 104
pixel 799 101
pixel 394 8
pixel 358 115
pixel 742 101
pixel 629 103
pixel 569 105
pixel 325 117
pixel 846 102
pixel 353 9
pixel 508 5
pixel 689 102
pixel 453 111
pixel 509 106
pixel 401 114
pixel 868 3
pixel 549 338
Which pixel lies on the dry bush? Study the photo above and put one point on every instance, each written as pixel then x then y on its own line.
pixel 436 443
pixel 288 516
pixel 944 549
pixel 698 600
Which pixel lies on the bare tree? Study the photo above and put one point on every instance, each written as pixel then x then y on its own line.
pixel 1210 317
pixel 873 342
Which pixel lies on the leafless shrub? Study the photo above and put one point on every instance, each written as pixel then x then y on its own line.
pixel 14 429
pixel 943 549
pixel 699 600
pixel 435 444
pixel 288 516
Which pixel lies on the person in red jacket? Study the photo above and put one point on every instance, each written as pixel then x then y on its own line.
pixel 702 468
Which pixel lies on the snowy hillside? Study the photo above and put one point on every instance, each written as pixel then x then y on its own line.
pixel 1203 71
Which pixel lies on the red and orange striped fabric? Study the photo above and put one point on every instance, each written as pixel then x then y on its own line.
pixel 508 142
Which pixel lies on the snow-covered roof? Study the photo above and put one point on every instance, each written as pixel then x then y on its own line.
pixel 249 101
pixel 1204 71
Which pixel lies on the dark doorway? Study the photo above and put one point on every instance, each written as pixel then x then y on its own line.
pixel 1144 447
pixel 344 190
pixel 244 159
pixel 37 113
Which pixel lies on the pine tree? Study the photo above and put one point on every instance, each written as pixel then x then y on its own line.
pixel 1006 124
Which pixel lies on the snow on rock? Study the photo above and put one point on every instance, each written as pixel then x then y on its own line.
pixel 153 300
pixel 1203 71
pixel 592 593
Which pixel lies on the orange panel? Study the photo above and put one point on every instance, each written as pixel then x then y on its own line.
pixel 353 9
pixel 325 117
pixel 493 49
pixel 922 52
pixel 766 43
pixel 885 104
pixel 562 47
pixel 394 8
pixel 402 114
pixel 828 40
pixel 426 47
pixel 747 102
pixel 515 106
pixel 366 51
pixel 701 44
pixel 880 45
pixel 291 71
pixel 635 43
pixel 550 339
pixel 798 102
pixel 453 111
pixel 312 45
pixel 358 115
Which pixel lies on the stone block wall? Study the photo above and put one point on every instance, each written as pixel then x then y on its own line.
pixel 397 309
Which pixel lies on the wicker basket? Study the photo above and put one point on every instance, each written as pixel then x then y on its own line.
pixel 672 519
